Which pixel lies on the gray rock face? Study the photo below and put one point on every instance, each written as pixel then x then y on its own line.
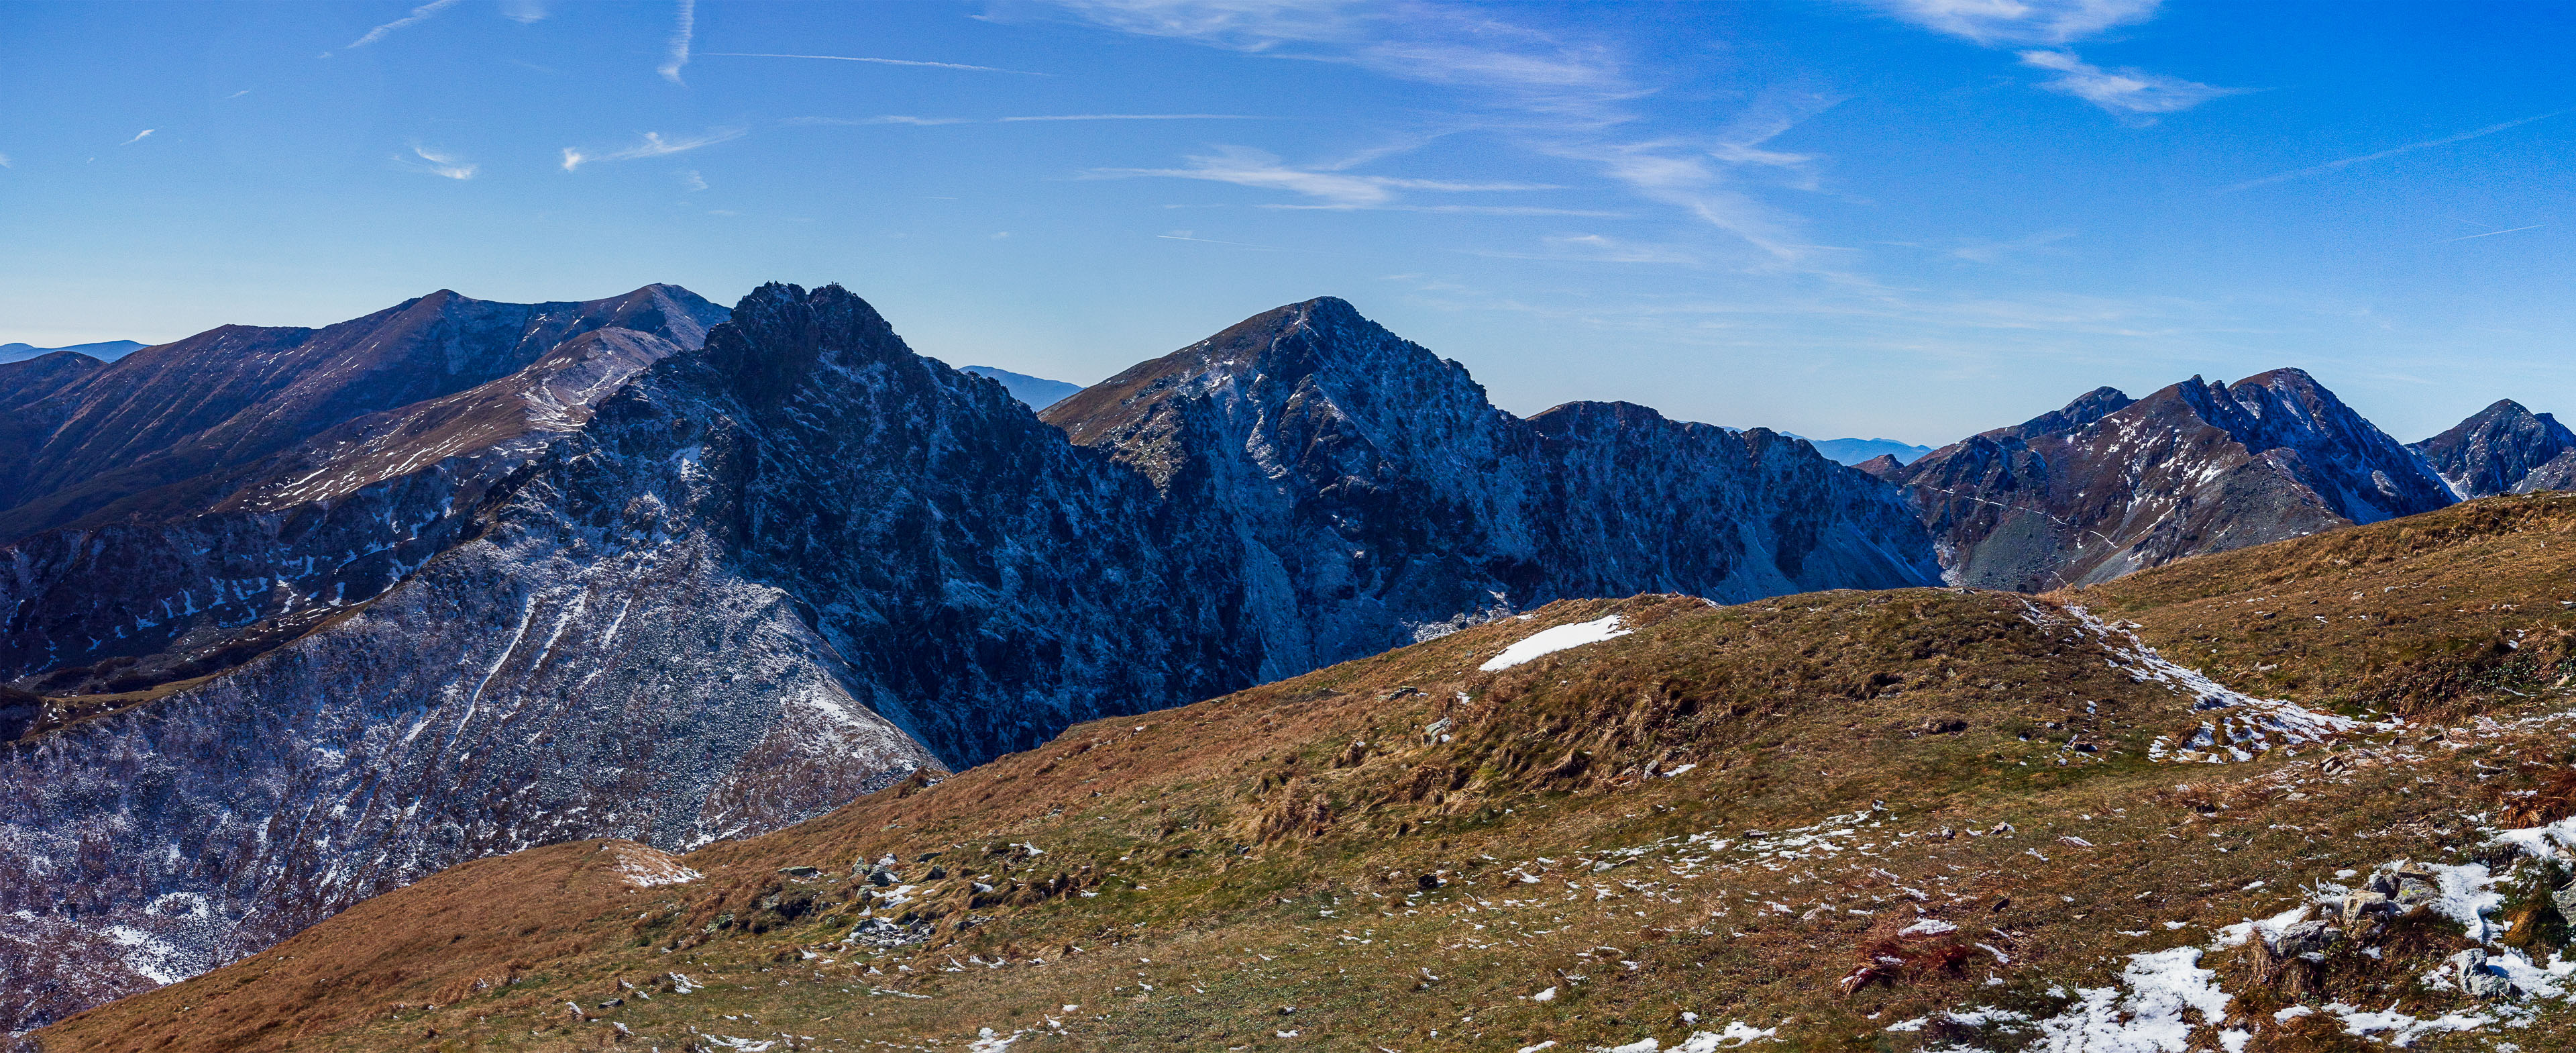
pixel 1373 497
pixel 2503 449
pixel 2107 486
pixel 641 588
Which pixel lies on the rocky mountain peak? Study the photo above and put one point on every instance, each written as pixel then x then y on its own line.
pixel 2200 466
pixel 2088 407
pixel 781 333
pixel 2503 448
pixel 635 590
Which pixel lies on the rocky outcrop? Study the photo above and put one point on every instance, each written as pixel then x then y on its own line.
pixel 641 588
pixel 2503 449
pixel 2107 486
pixel 1373 497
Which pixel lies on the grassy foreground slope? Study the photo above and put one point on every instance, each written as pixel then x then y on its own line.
pixel 1909 820
pixel 2448 613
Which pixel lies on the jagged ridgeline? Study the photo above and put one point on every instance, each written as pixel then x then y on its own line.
pixel 308 614
pixel 2109 485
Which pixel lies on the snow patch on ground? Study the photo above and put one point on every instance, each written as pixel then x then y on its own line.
pixel 2239 725
pixel 1549 641
pixel 644 867
pixel 1737 1035
pixel 2148 1018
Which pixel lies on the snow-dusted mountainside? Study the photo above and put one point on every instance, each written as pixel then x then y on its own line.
pixel 1038 392
pixel 287 476
pixel 104 350
pixel 2503 449
pixel 1373 497
pixel 2107 486
pixel 638 587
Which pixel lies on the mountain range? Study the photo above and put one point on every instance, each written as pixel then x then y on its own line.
pixel 1857 451
pixel 104 351
pixel 300 616
pixel 1037 392
pixel 314 613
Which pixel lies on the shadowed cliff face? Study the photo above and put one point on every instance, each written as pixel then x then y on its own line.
pixel 645 590
pixel 2107 486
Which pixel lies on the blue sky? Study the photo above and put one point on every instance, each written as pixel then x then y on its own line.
pixel 1909 218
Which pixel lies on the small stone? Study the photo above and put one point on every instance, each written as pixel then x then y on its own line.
pixel 2478 977
pixel 2565 898
pixel 801 873
pixel 2361 903
pixel 2303 938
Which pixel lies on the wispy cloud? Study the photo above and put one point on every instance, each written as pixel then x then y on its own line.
pixel 692 181
pixel 2393 151
pixel 1430 42
pixel 2126 93
pixel 524 11
pixel 2129 94
pixel 418 15
pixel 2492 233
pixel 1458 210
pixel 1245 166
pixel 138 137
pixel 682 32
pixel 1558 96
pixel 4 161
pixel 238 94
pixel 1189 235
pixel 655 144
pixel 2000 22
pixel 904 119
pixel 1135 117
pixel 888 119
pixel 436 162
pixel 1598 248
pixel 877 61
pixel 1998 251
